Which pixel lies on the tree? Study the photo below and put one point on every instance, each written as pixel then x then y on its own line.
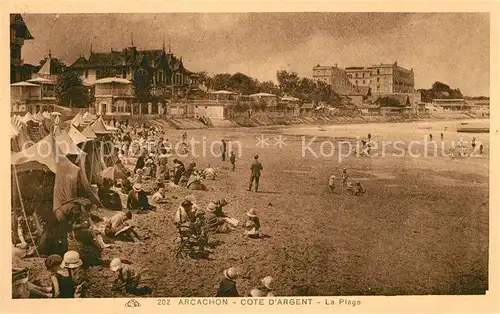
pixel 288 82
pixel 268 87
pixel 243 83
pixel 142 87
pixel 70 91
pixel 58 66
pixel 221 81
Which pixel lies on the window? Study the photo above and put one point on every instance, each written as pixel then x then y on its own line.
pixel 378 79
pixel 356 82
pixel 86 73
pixel 98 74
pixel 364 82
pixel 124 72
pixel 356 74
pixel 378 87
pixel 378 71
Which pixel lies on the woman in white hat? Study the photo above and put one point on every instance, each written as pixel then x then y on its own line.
pixel 267 286
pixel 227 286
pixel 73 263
pixel 252 225
pixel 138 199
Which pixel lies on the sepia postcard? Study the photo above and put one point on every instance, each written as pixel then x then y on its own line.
pixel 305 157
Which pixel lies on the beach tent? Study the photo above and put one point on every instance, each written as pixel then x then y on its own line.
pixel 75 135
pixel 78 120
pixel 46 115
pixel 19 138
pixel 99 127
pixel 89 133
pixel 28 117
pixel 51 154
pixel 88 117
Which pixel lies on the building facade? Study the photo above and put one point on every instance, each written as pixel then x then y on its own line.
pixel 167 75
pixel 334 76
pixel 113 97
pixel 391 79
pixel 359 76
pixel 19 33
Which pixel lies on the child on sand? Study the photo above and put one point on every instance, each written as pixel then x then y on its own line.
pixel 331 183
pixel 252 225
pixel 232 159
pixel 128 280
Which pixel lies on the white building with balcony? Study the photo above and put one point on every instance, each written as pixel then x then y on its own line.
pixel 113 97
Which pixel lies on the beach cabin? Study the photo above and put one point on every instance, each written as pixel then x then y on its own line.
pixel 451 104
pixel 113 97
pixel 23 95
pixel 223 96
pixel 270 100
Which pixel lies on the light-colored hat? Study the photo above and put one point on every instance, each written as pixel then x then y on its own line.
pixel 115 264
pixel 231 273
pixel 255 293
pixel 268 282
pixel 252 213
pixel 190 198
pixel 71 259
pixel 137 187
pixel 211 207
pixel 151 155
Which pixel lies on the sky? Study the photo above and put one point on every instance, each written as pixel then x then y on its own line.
pixel 449 47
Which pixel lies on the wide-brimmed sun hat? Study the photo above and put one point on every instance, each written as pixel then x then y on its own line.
pixel 137 187
pixel 268 282
pixel 252 213
pixel 115 264
pixel 211 207
pixel 71 259
pixel 255 293
pixel 231 273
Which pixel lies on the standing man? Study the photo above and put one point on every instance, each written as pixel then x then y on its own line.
pixel 223 148
pixel 255 168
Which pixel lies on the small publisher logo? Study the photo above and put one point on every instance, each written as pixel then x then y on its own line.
pixel 132 303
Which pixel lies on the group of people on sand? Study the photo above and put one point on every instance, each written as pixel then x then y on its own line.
pixel 213 219
pixel 74 239
pixel 227 285
pixel 356 189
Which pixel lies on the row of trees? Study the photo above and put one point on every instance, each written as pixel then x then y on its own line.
pixel 289 83
pixel 440 90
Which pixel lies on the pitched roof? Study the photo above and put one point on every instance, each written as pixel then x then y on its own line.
pixel 17 20
pixel 99 127
pixel 133 58
pixel 89 133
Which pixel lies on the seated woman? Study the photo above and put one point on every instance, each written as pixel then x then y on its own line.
pixel 186 175
pixel 194 183
pixel 159 197
pixel 178 171
pixel 137 199
pixel 109 198
pixel 117 227
pixel 359 189
pixel 209 173
pixel 137 179
pixel 213 223
pixel 62 283
pixel 147 171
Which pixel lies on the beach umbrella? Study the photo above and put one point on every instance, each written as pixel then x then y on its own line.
pixel 112 173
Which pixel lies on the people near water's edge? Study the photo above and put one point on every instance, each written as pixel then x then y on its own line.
pixel 331 183
pixel 227 286
pixel 223 149
pixel 255 168
pixel 232 159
